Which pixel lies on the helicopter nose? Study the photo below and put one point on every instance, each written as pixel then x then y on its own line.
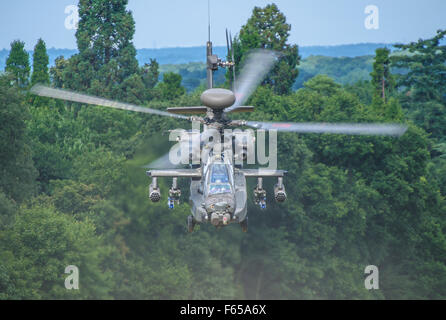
pixel 221 215
pixel 226 218
pixel 220 218
pixel 221 206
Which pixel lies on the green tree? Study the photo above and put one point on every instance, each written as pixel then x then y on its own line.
pixel 34 262
pixel 423 82
pixel 382 78
pixel 107 56
pixel 17 63
pixel 40 71
pixel 16 165
pixel 106 31
pixel 372 195
pixel 322 85
pixel 79 72
pixel 170 87
pixel 135 89
pixel 424 62
pixel 383 84
pixel 7 212
pixel 55 138
pixel 57 72
pixel 40 64
pixel 363 89
pixel 150 74
pixel 267 29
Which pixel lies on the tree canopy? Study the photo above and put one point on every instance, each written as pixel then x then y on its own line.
pixel 425 62
pixel 423 81
pixel 73 189
pixel 17 63
pixel 267 29
pixel 40 64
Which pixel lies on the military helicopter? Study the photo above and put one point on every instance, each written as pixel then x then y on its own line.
pixel 218 185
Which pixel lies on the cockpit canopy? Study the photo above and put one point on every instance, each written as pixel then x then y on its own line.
pixel 219 173
pixel 219 181
pixel 219 188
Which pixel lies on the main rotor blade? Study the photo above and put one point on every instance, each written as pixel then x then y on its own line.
pixel 164 162
pixel 233 61
pixel 227 44
pixel 87 99
pixel 257 65
pixel 381 129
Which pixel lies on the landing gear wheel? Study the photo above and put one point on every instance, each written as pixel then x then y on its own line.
pixel 244 225
pixel 190 224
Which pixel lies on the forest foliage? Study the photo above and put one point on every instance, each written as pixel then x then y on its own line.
pixel 73 190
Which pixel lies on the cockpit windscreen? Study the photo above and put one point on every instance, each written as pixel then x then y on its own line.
pixel 219 173
pixel 219 188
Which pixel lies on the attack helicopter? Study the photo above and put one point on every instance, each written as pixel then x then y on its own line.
pixel 218 189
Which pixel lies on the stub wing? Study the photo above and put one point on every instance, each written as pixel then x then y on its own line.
pixel 186 173
pixel 259 191
pixel 262 173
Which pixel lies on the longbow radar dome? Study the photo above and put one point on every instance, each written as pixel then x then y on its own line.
pixel 218 98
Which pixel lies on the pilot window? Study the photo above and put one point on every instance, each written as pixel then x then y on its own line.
pixel 219 173
pixel 219 188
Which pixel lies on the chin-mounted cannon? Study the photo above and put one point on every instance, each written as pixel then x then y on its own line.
pixel 260 194
pixel 174 194
pixel 154 191
pixel 279 190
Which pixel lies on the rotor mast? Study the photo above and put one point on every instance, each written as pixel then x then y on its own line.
pixel 209 67
pixel 212 60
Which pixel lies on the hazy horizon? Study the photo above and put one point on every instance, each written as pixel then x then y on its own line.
pixel 182 24
pixel 224 46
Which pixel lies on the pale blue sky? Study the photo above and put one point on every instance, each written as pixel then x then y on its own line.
pixel 171 23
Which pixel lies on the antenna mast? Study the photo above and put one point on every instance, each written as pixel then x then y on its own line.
pixel 212 61
pixel 209 21
pixel 209 56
